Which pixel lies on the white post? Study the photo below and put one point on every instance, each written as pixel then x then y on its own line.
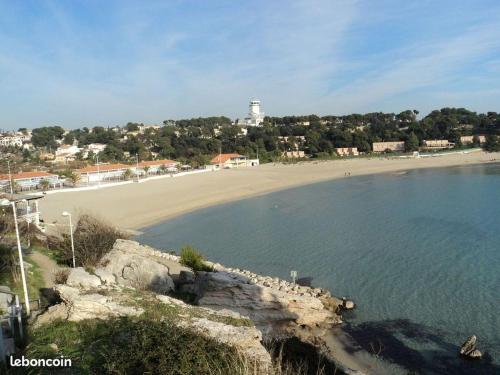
pixel 10 178
pixel 72 242
pixel 21 261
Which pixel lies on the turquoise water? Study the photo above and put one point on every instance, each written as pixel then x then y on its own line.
pixel 419 252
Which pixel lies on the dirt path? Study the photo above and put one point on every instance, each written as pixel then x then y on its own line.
pixel 47 266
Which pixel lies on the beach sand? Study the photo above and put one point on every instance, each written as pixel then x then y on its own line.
pixel 133 206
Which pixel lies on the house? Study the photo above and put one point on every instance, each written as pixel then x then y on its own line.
pixel 347 151
pixel 30 180
pixel 26 206
pixel 66 153
pixel 397 146
pixel 103 172
pixel 436 144
pixel 469 139
pixel 11 140
pixel 294 154
pixel 157 166
pixel 229 161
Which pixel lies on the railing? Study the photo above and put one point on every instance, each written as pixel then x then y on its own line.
pixel 14 322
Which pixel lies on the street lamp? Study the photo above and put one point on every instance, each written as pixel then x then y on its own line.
pixel 67 214
pixel 4 203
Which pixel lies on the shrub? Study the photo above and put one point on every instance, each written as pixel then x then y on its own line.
pixel 93 239
pixel 61 276
pixel 190 257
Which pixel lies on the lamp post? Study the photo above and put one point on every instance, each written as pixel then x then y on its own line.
pixel 67 214
pixel 98 170
pixel 6 202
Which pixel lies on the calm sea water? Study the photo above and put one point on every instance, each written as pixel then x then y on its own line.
pixel 419 252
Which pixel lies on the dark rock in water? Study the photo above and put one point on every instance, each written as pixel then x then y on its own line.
pixel 304 281
pixel 468 348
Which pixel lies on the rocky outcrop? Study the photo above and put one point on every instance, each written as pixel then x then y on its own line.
pixel 78 277
pixel 274 311
pixel 468 349
pixel 132 265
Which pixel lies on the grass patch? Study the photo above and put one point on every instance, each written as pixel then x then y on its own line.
pixel 192 258
pixel 131 346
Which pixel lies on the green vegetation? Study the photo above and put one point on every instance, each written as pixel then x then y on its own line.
pixel 10 273
pixel 132 346
pixel 190 257
pixel 492 143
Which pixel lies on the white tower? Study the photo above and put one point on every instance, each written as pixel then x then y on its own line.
pixel 255 116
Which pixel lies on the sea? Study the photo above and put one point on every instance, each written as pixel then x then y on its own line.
pixel 418 251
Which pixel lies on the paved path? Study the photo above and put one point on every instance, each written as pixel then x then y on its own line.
pixel 47 266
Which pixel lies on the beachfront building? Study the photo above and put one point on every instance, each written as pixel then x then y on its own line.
pixel 469 139
pixel 255 116
pixel 347 151
pixel 229 161
pixel 103 172
pixel 27 209
pixel 157 166
pixel 294 154
pixel 397 146
pixel 29 180
pixel 437 144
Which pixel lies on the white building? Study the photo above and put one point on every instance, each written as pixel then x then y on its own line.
pixel 255 116
pixel 11 140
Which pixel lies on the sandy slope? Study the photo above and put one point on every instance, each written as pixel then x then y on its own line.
pixel 134 206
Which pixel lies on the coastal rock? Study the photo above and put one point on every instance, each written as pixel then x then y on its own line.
pixel 133 265
pixel 468 348
pixel 80 278
pixel 347 304
pixel 106 277
pixel 271 310
pixel 247 340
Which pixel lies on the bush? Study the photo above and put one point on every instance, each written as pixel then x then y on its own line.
pixel 93 239
pixel 61 275
pixel 190 257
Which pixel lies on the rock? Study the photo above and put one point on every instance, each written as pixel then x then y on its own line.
pixel 347 304
pixel 81 278
pixel 468 348
pixel 133 265
pixel 76 306
pixel 247 340
pixel 270 309
pixel 106 277
pixel 54 347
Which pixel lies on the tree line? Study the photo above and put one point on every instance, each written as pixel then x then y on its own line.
pixel 198 139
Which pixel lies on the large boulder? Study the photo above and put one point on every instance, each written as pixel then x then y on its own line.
pixel 134 265
pixel 78 277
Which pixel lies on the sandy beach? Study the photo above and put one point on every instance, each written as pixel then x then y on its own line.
pixel 134 206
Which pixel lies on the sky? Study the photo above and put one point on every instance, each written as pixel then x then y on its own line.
pixel 88 63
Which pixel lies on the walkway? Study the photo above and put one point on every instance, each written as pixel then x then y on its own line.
pixel 47 266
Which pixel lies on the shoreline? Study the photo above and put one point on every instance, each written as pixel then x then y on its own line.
pixel 135 206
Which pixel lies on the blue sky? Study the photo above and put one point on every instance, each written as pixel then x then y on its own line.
pixel 86 63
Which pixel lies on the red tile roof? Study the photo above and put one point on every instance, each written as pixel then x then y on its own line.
pixel 224 157
pixel 103 168
pixel 152 163
pixel 25 175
